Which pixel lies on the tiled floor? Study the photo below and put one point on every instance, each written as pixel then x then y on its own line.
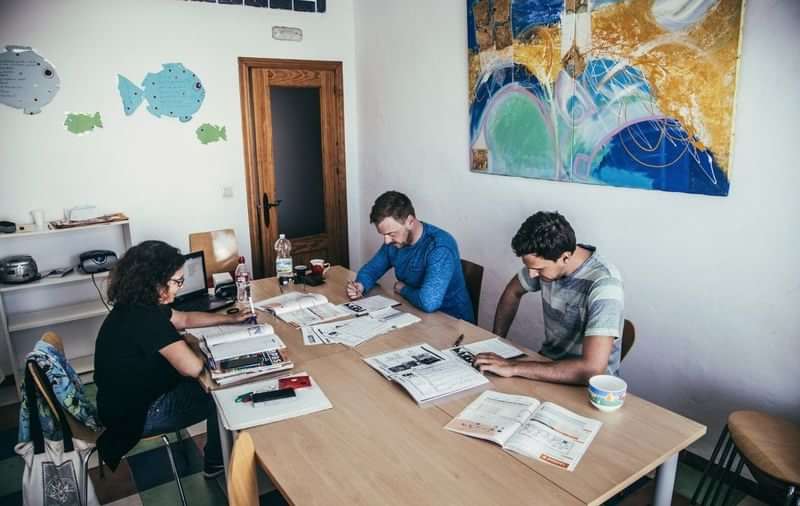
pixel 144 477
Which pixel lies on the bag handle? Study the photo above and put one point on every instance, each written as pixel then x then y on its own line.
pixel 33 411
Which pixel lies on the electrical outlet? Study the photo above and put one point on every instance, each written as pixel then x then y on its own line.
pixel 227 192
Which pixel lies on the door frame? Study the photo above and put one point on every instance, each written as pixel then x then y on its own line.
pixel 251 161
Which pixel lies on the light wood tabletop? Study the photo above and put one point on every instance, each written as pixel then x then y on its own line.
pixel 376 446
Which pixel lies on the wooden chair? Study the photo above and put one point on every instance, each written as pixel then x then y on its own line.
pixel 768 445
pixel 628 338
pixel 220 251
pixel 242 481
pixel 473 275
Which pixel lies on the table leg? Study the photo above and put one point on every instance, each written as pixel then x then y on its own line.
pixel 665 481
pixel 226 443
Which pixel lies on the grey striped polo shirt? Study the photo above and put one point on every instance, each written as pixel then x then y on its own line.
pixel 588 302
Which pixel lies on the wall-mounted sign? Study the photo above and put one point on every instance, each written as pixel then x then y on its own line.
pixel 27 81
pixel 295 5
pixel 287 33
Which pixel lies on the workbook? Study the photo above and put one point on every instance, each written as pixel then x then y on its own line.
pixel 301 309
pixel 426 373
pixel 237 353
pixel 370 304
pixel 542 431
pixel 496 345
pixel 244 414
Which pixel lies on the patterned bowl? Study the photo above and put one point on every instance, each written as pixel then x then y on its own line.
pixel 606 392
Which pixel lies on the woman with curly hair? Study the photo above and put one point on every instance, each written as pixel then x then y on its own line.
pixel 144 371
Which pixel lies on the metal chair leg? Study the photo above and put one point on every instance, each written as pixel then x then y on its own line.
pixel 789 495
pixel 717 473
pixel 85 497
pixel 707 470
pixel 165 439
pixel 736 475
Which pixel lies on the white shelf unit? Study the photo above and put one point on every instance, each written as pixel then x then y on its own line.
pixel 69 303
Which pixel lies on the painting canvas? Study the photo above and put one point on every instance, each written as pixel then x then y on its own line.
pixel 634 93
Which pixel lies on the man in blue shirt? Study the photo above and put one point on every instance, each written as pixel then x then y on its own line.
pixel 425 258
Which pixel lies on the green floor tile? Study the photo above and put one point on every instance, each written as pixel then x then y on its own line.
pixel 198 490
pixel 11 475
pixel 687 479
pixel 150 443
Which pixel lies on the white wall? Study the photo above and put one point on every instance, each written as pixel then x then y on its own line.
pixel 712 284
pixel 155 170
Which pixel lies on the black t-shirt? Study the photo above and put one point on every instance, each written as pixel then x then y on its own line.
pixel 130 373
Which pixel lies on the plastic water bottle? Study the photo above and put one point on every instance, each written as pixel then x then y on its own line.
pixel 283 260
pixel 242 275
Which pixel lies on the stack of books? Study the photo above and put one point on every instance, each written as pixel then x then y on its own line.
pixel 237 353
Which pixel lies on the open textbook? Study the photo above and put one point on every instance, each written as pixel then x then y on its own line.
pixel 355 331
pixel 237 415
pixel 496 345
pixel 542 431
pixel 301 309
pixel 235 353
pixel 425 372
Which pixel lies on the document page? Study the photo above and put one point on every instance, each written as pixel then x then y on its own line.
pixel 495 345
pixel 425 372
pixel 369 304
pixel 493 416
pixel 228 333
pixel 314 314
pixel 355 331
pixel 291 301
pixel 554 435
pixel 245 347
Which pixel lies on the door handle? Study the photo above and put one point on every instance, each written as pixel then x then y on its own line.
pixel 266 205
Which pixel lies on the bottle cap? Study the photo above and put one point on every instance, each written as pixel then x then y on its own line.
pixel 282 236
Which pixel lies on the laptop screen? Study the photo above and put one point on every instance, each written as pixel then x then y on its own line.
pixel 194 276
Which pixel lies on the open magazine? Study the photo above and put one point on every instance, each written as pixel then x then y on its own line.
pixel 301 309
pixel 426 373
pixel 355 331
pixel 540 430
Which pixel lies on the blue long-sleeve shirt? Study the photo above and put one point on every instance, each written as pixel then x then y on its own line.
pixel 430 269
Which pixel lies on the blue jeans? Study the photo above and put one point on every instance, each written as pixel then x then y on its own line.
pixel 185 405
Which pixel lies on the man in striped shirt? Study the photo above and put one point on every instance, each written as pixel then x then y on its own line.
pixel 582 302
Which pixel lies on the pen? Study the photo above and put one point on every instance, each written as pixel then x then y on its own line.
pixel 458 341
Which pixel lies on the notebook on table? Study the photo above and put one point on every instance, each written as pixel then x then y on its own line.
pixel 193 295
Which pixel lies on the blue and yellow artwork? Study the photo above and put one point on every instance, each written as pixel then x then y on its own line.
pixel 175 91
pixel 633 93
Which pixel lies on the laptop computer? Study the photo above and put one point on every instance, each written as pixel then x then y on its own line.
pixel 193 295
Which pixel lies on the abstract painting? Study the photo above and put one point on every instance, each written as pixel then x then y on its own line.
pixel 633 93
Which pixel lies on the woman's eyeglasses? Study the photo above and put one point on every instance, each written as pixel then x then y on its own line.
pixel 178 281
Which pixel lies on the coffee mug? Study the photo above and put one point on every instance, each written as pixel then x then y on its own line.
pixel 319 266
pixel 38 218
pixel 606 392
pixel 300 274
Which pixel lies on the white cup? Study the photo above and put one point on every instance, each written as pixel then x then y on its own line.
pixel 38 218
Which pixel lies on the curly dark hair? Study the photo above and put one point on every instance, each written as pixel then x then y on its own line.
pixel 391 204
pixel 142 271
pixel 546 235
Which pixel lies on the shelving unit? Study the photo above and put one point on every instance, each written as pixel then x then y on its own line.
pixel 57 302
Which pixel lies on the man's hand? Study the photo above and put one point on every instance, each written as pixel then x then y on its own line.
pixel 398 286
pixel 495 363
pixel 354 290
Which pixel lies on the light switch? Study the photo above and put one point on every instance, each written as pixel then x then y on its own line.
pixel 227 192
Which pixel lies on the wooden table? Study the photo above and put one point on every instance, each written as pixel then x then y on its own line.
pixel 377 446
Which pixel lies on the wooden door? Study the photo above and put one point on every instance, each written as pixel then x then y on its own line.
pixel 293 123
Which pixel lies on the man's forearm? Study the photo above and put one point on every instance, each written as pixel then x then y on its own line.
pixel 571 371
pixel 506 311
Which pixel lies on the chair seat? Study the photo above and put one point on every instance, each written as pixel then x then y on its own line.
pixel 770 443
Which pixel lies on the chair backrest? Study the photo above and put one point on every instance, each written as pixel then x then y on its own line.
pixel 242 481
pixel 219 248
pixel 473 275
pixel 628 338
pixel 79 430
